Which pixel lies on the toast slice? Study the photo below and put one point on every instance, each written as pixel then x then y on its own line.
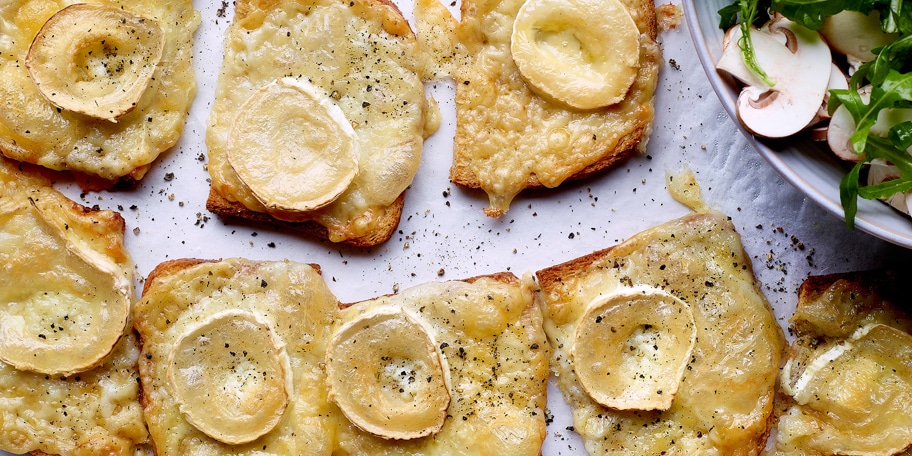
pixel 361 59
pixel 724 401
pixel 291 310
pixel 509 138
pixel 846 377
pixel 35 130
pixel 68 373
pixel 487 331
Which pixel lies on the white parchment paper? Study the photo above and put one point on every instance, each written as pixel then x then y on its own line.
pixel 444 234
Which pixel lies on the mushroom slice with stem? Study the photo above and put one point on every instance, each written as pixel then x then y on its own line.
pixel 65 305
pixel 797 60
pixel 631 348
pixel 293 147
pixel 95 59
pixel 386 375
pixel 231 376
pixel 582 53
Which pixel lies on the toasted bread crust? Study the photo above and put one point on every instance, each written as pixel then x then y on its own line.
pixel 461 172
pixel 884 283
pixel 551 278
pixel 389 220
pixel 833 304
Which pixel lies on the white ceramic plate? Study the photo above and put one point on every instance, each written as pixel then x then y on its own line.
pixel 806 165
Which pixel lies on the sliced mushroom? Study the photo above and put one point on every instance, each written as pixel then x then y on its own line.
pixel 797 60
pixel 386 375
pixel 855 34
pixel 631 348
pixel 230 376
pixel 293 147
pixel 95 59
pixel 838 81
pixel 880 171
pixel 583 53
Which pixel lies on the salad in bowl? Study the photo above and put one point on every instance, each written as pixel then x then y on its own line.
pixel 831 77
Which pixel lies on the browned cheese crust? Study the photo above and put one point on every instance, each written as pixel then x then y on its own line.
pixel 488 329
pixel 509 139
pixel 95 409
pixel 291 300
pixel 34 130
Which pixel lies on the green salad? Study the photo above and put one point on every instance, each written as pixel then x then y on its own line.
pixel 889 76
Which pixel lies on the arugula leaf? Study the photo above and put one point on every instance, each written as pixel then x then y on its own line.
pixel 744 13
pixel 887 150
pixel 848 194
pixel 728 16
pixel 895 91
pixel 812 13
pixel 893 150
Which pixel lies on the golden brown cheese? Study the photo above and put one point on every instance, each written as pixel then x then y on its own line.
pixel 34 130
pixel 489 333
pixel 89 413
pixel 363 56
pixel 724 402
pixel 293 304
pixel 846 380
pixel 46 293
pixel 508 138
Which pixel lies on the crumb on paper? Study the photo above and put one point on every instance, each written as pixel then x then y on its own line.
pixel 669 16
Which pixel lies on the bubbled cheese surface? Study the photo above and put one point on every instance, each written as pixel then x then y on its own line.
pixel 360 54
pixel 725 399
pixel 96 409
pixel 509 137
pixel 35 131
pixel 489 333
pixel 292 301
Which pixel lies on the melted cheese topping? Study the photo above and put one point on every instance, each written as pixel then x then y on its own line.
pixel 490 335
pixel 362 55
pixel 94 411
pixel 507 136
pixel 725 399
pixel 846 380
pixel 292 299
pixel 35 131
